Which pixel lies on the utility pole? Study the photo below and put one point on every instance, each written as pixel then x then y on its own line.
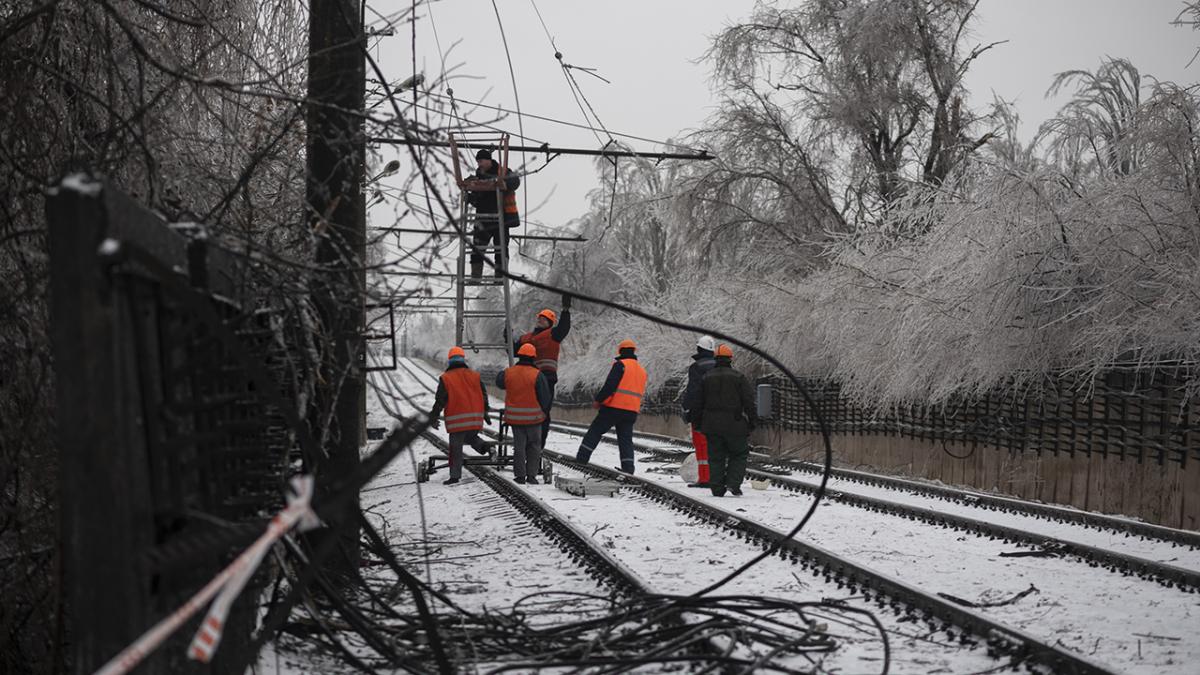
pixel 336 156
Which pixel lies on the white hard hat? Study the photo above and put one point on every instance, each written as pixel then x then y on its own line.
pixel 706 342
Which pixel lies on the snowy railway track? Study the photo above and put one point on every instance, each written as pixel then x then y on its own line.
pixel 1172 576
pixel 943 493
pixel 902 599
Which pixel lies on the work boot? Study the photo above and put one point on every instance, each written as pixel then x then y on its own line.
pixel 718 491
pixel 698 485
pixel 736 491
pixel 532 480
pixel 485 448
pixel 520 481
pixel 450 481
pixel 623 470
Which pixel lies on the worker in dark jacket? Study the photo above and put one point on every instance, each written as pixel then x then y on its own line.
pixel 461 394
pixel 549 331
pixel 481 193
pixel 702 362
pixel 619 401
pixel 726 416
pixel 526 401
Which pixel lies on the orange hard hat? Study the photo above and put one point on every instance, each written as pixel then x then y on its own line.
pixel 527 349
pixel 456 351
pixel 626 344
pixel 724 350
pixel 549 314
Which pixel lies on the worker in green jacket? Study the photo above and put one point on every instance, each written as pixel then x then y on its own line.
pixel 725 414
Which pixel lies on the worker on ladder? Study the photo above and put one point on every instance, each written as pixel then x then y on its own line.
pixel 619 401
pixel 462 395
pixel 481 193
pixel 702 362
pixel 549 331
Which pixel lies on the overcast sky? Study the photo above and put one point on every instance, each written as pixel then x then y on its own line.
pixel 651 51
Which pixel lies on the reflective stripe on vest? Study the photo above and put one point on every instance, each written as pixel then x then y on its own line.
pixel 510 203
pixel 547 349
pixel 630 389
pixel 520 396
pixel 464 422
pixel 464 400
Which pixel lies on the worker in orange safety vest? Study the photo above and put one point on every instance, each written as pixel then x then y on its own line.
pixel 463 398
pixel 526 400
pixel 619 401
pixel 547 335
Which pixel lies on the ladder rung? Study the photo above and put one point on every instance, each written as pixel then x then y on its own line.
pixel 481 281
pixel 482 314
pixel 485 345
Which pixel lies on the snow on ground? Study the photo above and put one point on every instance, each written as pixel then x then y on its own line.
pixel 1149 549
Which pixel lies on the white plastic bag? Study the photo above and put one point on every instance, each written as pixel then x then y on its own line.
pixel 689 471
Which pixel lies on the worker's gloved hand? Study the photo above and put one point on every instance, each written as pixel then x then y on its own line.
pixel 487 419
pixel 566 304
pixel 435 424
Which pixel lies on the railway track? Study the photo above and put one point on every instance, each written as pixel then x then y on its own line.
pixel 1169 575
pixel 971 498
pixel 982 501
pixel 899 597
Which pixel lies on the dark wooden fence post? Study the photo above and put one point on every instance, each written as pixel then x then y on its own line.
pixel 105 519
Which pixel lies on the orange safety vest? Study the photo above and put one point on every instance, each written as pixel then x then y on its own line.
pixel 510 203
pixel 547 349
pixel 630 389
pixel 521 406
pixel 464 400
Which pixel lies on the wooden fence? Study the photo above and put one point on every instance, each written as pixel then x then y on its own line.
pixel 170 458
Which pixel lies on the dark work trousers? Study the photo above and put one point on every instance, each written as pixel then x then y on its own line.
pixel 485 234
pixel 527 450
pixel 727 455
pixel 457 439
pixel 606 419
pixel 551 379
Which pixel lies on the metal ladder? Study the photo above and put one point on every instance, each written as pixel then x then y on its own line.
pixel 466 309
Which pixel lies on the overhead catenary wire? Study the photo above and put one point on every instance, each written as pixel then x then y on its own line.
pixel 562 122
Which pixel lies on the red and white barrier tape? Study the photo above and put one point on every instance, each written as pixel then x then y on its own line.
pixel 229 583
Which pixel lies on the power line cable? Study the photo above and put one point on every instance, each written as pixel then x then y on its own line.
pixel 555 120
